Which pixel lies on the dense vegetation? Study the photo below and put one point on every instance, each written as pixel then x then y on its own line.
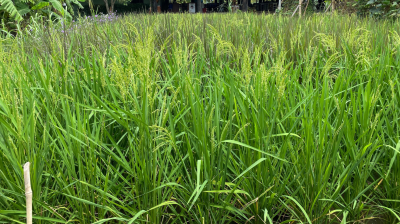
pixel 213 118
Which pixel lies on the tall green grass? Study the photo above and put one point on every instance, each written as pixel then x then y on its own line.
pixel 217 118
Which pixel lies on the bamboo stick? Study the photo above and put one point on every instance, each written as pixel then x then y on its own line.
pixel 328 8
pixel 295 10
pixel 28 193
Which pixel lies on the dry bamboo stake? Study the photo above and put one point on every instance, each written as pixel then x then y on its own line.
pixel 295 10
pixel 28 193
pixel 328 8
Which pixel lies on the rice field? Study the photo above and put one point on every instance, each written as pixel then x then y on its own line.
pixel 217 118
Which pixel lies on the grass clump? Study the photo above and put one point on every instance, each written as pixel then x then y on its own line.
pixel 203 119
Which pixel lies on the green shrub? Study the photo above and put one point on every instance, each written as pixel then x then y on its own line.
pixel 378 8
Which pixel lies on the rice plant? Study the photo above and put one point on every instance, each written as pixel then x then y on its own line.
pixel 217 118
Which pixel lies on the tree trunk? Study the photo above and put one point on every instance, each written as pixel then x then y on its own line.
pixel 198 6
pixel 300 2
pixel 245 6
pixel 305 10
pixel 333 5
pixel 153 6
pixel 112 6
pixel 279 5
pixel 108 8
